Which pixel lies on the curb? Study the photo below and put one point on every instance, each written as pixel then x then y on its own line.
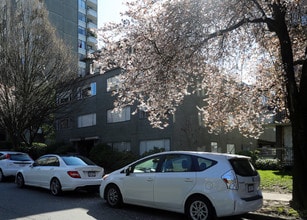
pixel 276 196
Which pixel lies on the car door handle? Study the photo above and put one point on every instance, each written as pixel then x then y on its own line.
pixel 188 180
pixel 149 180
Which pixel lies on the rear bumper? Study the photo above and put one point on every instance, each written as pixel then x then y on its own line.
pixel 235 205
pixel 79 184
pixel 92 188
pixel 248 204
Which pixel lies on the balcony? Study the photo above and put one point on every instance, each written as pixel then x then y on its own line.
pixel 92 41
pixel 92 3
pixel 91 25
pixel 91 14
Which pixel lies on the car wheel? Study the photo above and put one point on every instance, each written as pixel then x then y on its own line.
pixel 199 207
pixel 113 196
pixel 20 180
pixel 1 176
pixel 55 187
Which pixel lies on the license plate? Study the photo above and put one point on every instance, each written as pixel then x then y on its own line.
pixel 250 187
pixel 91 174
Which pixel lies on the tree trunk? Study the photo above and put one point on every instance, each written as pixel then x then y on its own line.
pixel 296 96
pixel 299 127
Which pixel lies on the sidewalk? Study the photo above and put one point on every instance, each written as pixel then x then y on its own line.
pixel 276 196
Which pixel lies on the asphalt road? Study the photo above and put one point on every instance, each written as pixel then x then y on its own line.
pixel 32 203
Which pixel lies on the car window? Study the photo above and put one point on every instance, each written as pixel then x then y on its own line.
pixel 52 161
pixel 147 166
pixel 20 157
pixel 177 163
pixel 42 161
pixel 47 161
pixel 76 160
pixel 243 167
pixel 203 163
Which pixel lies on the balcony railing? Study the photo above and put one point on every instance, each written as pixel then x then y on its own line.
pixel 92 3
pixel 92 14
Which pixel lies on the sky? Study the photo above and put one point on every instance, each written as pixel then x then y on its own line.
pixel 109 10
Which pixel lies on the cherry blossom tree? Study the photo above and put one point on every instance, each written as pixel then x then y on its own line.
pixel 248 55
pixel 34 65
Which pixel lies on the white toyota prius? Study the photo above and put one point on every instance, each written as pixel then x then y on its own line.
pixel 201 185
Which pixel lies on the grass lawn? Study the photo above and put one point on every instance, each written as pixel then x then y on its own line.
pixel 276 181
pixel 280 182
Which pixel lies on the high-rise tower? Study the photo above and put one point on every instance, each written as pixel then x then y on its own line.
pixel 74 21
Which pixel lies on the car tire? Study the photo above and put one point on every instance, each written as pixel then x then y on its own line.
pixel 199 207
pixel 113 196
pixel 1 176
pixel 55 187
pixel 20 180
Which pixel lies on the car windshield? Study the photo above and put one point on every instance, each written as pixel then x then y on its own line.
pixel 243 167
pixel 76 160
pixel 20 157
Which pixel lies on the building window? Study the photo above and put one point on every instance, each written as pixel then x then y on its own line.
pixel 114 116
pixel 147 145
pixel 231 149
pixel 214 147
pixel 81 44
pixel 82 4
pixel 64 97
pixel 121 146
pixel 113 83
pixel 86 91
pixel 81 71
pixel 87 120
pixel 63 124
pixel 81 17
pixel 81 30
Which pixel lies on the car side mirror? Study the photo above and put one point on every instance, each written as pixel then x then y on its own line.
pixel 34 164
pixel 128 171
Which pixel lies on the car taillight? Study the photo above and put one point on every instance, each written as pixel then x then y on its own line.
pixel 73 174
pixel 230 179
pixel 7 156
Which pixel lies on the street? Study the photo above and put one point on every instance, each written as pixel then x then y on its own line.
pixel 32 203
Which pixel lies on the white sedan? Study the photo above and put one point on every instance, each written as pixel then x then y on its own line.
pixel 61 173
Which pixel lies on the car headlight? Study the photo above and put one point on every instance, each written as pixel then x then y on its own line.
pixel 105 177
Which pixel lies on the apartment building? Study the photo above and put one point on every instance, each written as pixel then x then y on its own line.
pixel 89 119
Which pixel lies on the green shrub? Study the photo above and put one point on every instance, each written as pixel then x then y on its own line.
pixel 5 145
pixel 254 155
pixel 110 159
pixel 268 164
pixel 35 151
pixel 60 148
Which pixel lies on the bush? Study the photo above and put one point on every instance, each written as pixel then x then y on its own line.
pixel 268 164
pixel 5 145
pixel 254 155
pixel 60 148
pixel 110 159
pixel 35 151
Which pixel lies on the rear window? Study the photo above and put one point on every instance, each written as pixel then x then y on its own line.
pixel 243 167
pixel 77 160
pixel 20 157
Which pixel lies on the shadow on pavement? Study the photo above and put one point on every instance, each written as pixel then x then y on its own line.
pixel 256 216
